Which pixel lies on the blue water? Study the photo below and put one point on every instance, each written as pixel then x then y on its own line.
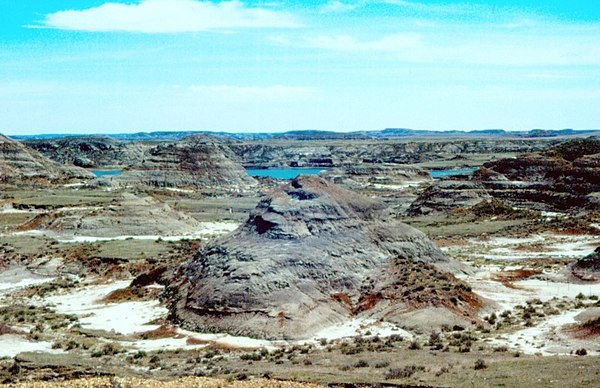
pixel 283 173
pixel 444 173
pixel 101 173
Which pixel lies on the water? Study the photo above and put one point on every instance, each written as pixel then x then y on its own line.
pixel 444 173
pixel 105 173
pixel 293 172
pixel 283 173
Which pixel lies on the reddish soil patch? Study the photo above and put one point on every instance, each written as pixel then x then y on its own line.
pixel 444 242
pixel 367 302
pixel 5 329
pixel 195 341
pixel 342 298
pixel 35 222
pixel 129 294
pixel 531 248
pixel 164 331
pixel 508 277
pixel 590 329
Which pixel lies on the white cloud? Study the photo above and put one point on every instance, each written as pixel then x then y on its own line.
pixel 169 16
pixel 338 6
pixel 253 93
pixel 472 45
pixel 390 43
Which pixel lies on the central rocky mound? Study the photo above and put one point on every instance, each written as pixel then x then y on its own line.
pixel 310 256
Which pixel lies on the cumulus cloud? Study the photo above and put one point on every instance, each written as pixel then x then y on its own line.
pixel 169 16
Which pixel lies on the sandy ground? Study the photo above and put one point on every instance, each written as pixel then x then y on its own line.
pixel 206 229
pixel 547 338
pixel 135 317
pixel 123 318
pixel 13 344
pixel 549 246
pixel 18 277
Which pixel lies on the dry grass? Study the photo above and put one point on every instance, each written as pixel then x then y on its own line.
pixel 200 382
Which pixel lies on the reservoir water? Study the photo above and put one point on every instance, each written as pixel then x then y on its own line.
pixel 444 173
pixel 293 172
pixel 105 173
pixel 283 173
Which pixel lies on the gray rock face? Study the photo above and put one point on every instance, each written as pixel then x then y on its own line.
pixel 565 179
pixel 90 151
pixel 354 153
pixel 588 268
pixel 20 164
pixel 367 175
pixel 127 215
pixel 311 255
pixel 447 195
pixel 199 162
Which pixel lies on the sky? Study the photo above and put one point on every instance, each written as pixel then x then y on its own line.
pixel 116 66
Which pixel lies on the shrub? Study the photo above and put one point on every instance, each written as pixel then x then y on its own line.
pixel 139 354
pixel 581 352
pixel 480 364
pixel 402 373
pixel 251 357
pixel 382 364
pixel 154 359
pixel 414 345
pixel 362 364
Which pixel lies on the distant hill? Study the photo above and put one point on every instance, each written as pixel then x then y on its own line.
pixel 314 134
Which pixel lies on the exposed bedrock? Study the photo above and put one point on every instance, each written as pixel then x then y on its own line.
pixel 199 162
pixel 565 178
pixel 312 255
pixel 20 164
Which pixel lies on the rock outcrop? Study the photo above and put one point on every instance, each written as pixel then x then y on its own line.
pixel 447 195
pixel 22 165
pixel 588 268
pixel 310 256
pixel 126 215
pixel 90 151
pixel 374 176
pixel 565 178
pixel 199 162
pixel 324 153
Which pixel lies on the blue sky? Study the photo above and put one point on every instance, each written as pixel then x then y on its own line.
pixel 96 66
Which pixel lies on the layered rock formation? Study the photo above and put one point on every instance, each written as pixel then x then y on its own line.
pixel 90 151
pixel 127 215
pixel 20 164
pixel 369 175
pixel 447 195
pixel 199 162
pixel 325 153
pixel 565 178
pixel 311 255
